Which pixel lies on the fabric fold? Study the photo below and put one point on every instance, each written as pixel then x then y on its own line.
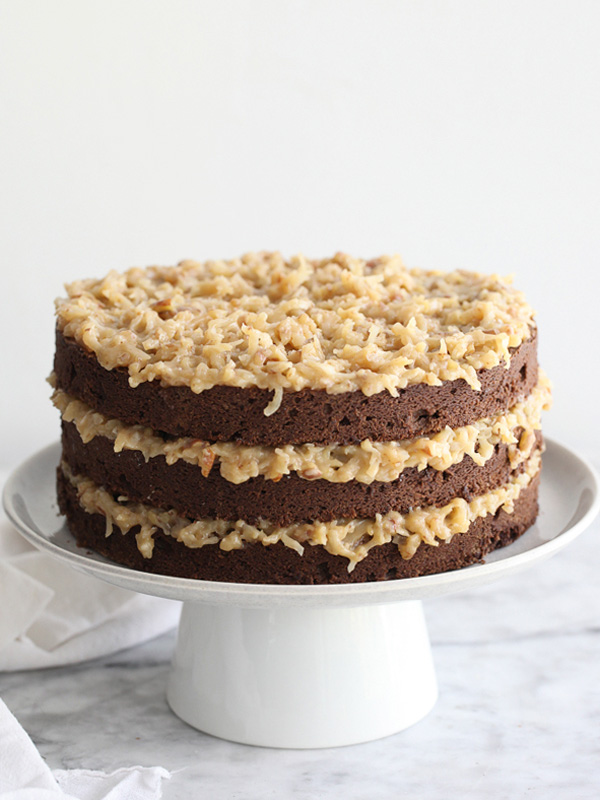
pixel 24 775
pixel 51 614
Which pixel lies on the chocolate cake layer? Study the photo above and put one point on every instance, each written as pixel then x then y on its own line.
pixel 292 499
pixel 226 413
pixel 278 564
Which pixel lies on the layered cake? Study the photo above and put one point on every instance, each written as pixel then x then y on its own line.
pixel 264 420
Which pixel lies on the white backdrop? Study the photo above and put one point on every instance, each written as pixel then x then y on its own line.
pixel 460 134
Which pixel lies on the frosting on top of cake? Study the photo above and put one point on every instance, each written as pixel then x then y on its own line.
pixel 340 324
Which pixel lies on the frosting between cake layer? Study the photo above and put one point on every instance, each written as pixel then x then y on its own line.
pixel 366 462
pixel 351 539
pixel 338 324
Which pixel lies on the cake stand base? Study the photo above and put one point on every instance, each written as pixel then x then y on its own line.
pixel 302 677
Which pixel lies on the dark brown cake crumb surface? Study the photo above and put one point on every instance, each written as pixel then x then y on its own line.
pixel 226 413
pixel 279 564
pixel 292 499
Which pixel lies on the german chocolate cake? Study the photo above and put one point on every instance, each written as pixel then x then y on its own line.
pixel 264 420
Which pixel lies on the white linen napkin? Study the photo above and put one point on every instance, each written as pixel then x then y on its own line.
pixel 51 615
pixel 25 776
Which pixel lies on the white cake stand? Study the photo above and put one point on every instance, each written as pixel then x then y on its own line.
pixel 306 666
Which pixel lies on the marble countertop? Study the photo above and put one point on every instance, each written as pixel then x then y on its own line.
pixel 518 713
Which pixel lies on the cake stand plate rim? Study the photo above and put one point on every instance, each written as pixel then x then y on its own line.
pixel 29 499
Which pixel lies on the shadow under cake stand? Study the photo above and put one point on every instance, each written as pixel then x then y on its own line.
pixel 306 666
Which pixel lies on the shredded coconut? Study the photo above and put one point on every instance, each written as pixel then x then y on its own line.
pixel 339 324
pixel 365 462
pixel 352 539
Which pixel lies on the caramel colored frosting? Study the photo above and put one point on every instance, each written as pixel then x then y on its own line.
pixel 341 324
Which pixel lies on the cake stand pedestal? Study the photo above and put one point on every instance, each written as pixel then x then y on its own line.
pixel 306 666
pixel 302 677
